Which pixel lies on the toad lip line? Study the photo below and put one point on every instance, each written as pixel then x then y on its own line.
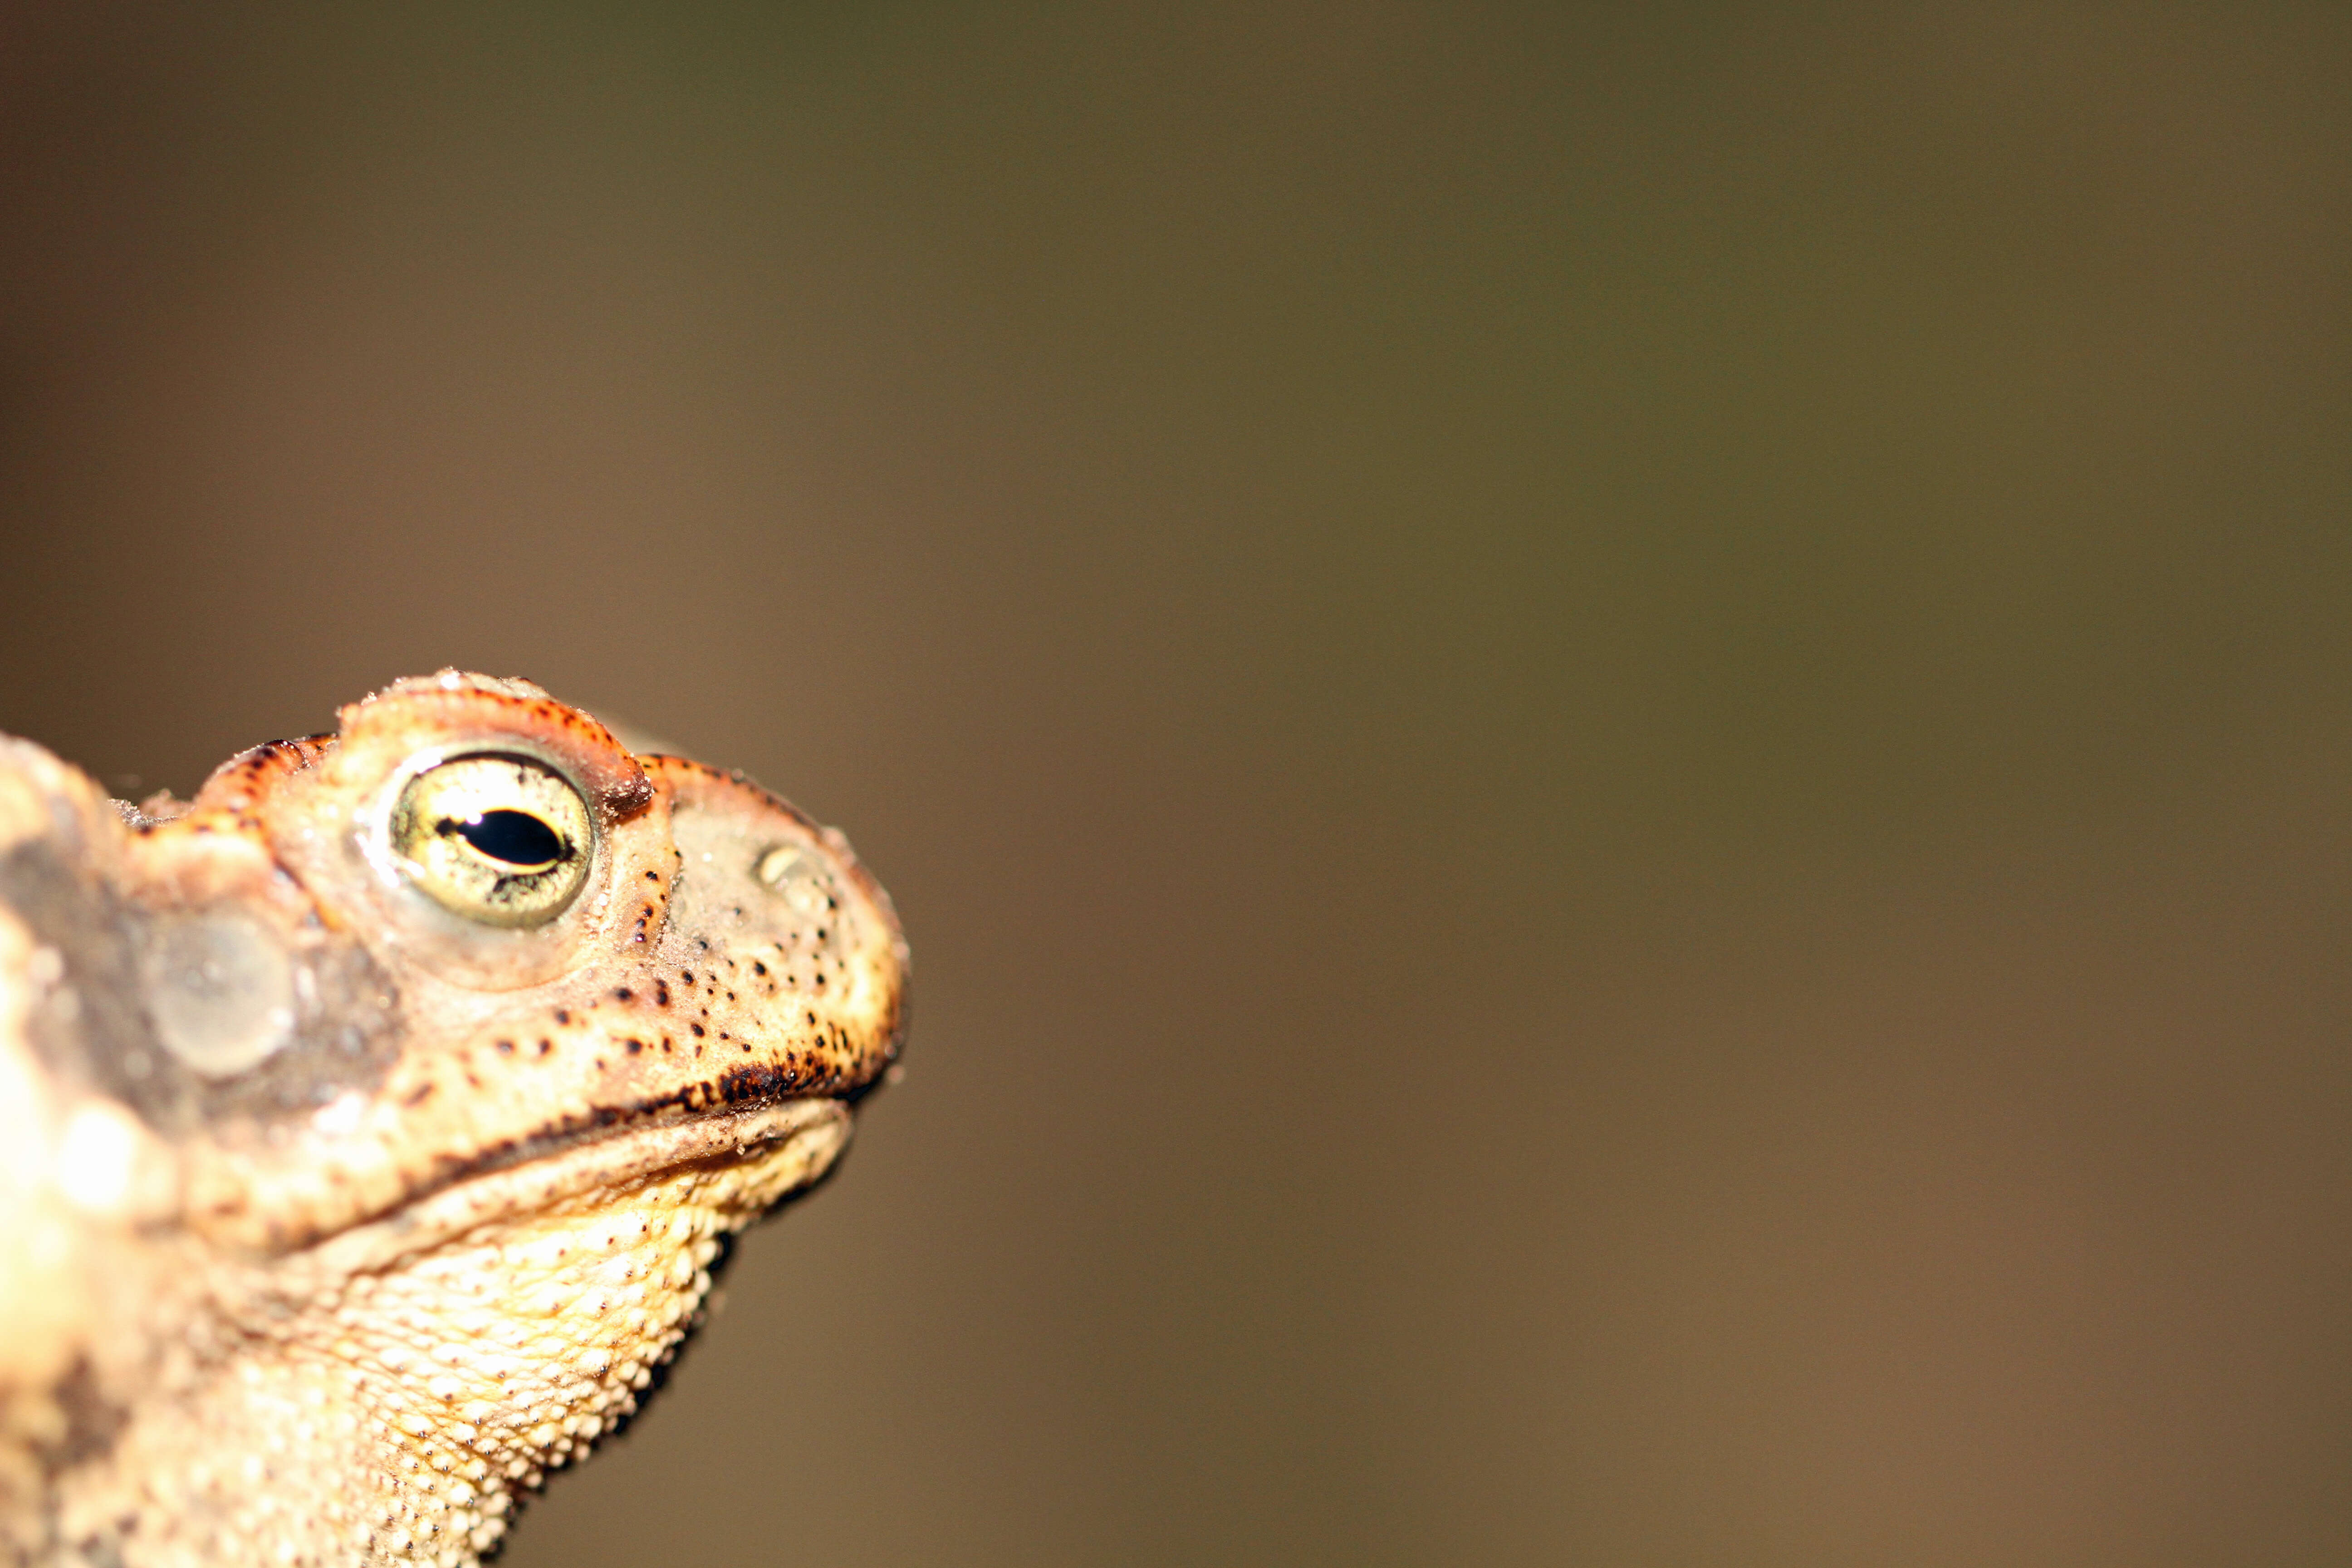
pixel 749 1111
pixel 561 1171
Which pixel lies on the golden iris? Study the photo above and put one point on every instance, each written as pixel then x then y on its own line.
pixel 499 839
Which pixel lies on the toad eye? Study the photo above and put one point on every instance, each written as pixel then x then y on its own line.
pixel 502 840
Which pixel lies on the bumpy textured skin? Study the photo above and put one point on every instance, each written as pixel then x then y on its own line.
pixel 330 1222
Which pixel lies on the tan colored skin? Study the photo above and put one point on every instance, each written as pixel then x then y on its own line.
pixel 331 1260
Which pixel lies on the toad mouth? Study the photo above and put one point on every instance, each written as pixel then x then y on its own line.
pixel 808 1134
pixel 745 1107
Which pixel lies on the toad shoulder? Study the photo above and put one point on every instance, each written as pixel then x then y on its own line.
pixel 369 1124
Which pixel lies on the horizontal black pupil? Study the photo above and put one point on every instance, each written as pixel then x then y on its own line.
pixel 517 837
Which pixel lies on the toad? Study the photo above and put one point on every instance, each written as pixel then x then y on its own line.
pixel 370 1124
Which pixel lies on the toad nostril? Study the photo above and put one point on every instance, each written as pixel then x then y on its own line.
pixel 800 882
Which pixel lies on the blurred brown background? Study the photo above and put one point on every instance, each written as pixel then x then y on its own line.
pixel 1616 738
